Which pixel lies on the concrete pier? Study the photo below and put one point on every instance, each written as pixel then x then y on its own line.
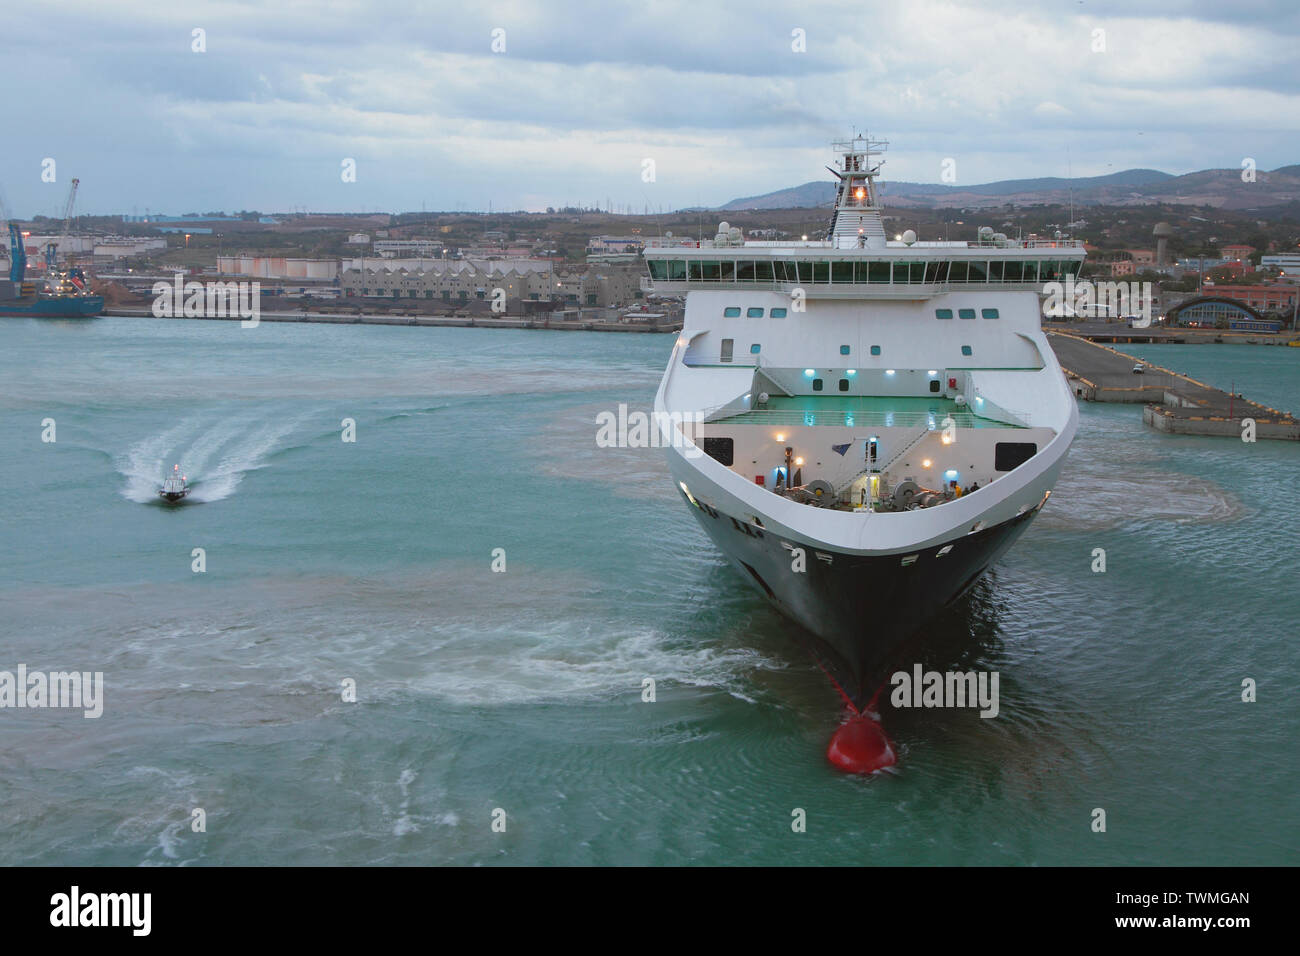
pixel 540 321
pixel 1171 402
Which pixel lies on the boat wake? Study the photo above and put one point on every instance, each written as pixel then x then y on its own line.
pixel 214 454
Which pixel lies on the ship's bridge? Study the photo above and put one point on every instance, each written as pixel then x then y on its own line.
pixel 826 270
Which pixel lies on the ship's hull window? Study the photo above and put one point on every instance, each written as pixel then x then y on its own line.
pixel 817 384
pixel 966 313
pixel 778 313
pixel 721 450
pixel 844 385
pixel 1008 455
pixel 731 313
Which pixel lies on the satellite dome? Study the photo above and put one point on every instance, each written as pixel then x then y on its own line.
pixel 909 237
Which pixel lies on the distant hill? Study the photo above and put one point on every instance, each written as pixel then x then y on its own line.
pixel 1223 188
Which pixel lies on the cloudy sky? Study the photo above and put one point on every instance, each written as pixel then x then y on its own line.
pixel 578 95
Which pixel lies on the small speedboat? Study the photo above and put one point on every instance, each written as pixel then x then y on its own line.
pixel 174 486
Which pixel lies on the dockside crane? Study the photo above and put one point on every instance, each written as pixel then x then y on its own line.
pixel 52 249
pixel 17 251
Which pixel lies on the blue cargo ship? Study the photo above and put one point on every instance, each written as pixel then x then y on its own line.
pixel 66 293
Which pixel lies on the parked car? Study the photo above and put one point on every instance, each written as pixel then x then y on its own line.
pixel 1139 369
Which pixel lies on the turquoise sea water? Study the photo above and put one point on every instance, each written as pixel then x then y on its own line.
pixel 371 561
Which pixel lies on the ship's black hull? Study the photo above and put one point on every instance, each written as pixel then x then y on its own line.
pixel 856 612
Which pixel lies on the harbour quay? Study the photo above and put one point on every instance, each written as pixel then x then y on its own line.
pixel 594 321
pixel 1172 402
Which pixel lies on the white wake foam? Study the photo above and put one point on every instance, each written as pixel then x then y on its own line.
pixel 214 452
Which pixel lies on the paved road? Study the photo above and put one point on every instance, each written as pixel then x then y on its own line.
pixel 1104 368
pixel 1108 369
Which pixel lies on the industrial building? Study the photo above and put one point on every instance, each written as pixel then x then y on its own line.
pixel 458 281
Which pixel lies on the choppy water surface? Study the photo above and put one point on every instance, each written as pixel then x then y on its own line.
pixel 371 561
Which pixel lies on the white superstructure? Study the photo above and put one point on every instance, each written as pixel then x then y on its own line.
pixel 853 391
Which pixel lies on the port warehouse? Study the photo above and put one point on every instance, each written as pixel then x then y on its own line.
pixel 87 249
pixel 449 281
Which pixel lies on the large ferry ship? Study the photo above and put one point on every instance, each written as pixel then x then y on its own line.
pixel 863 425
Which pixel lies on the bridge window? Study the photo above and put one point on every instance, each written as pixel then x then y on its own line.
pixel 878 272
pixel 676 270
pixel 732 312
pixel 912 272
pixel 728 273
pixel 711 271
pixel 957 272
pixel 875 350
pixel 1011 271
pixel 754 313
pixel 977 272
pixel 936 272
pixel 763 272
pixel 943 313
pixel 777 313
pixel 966 313
pixel 658 269
pixel 744 272
pixel 989 313
pixel 841 271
